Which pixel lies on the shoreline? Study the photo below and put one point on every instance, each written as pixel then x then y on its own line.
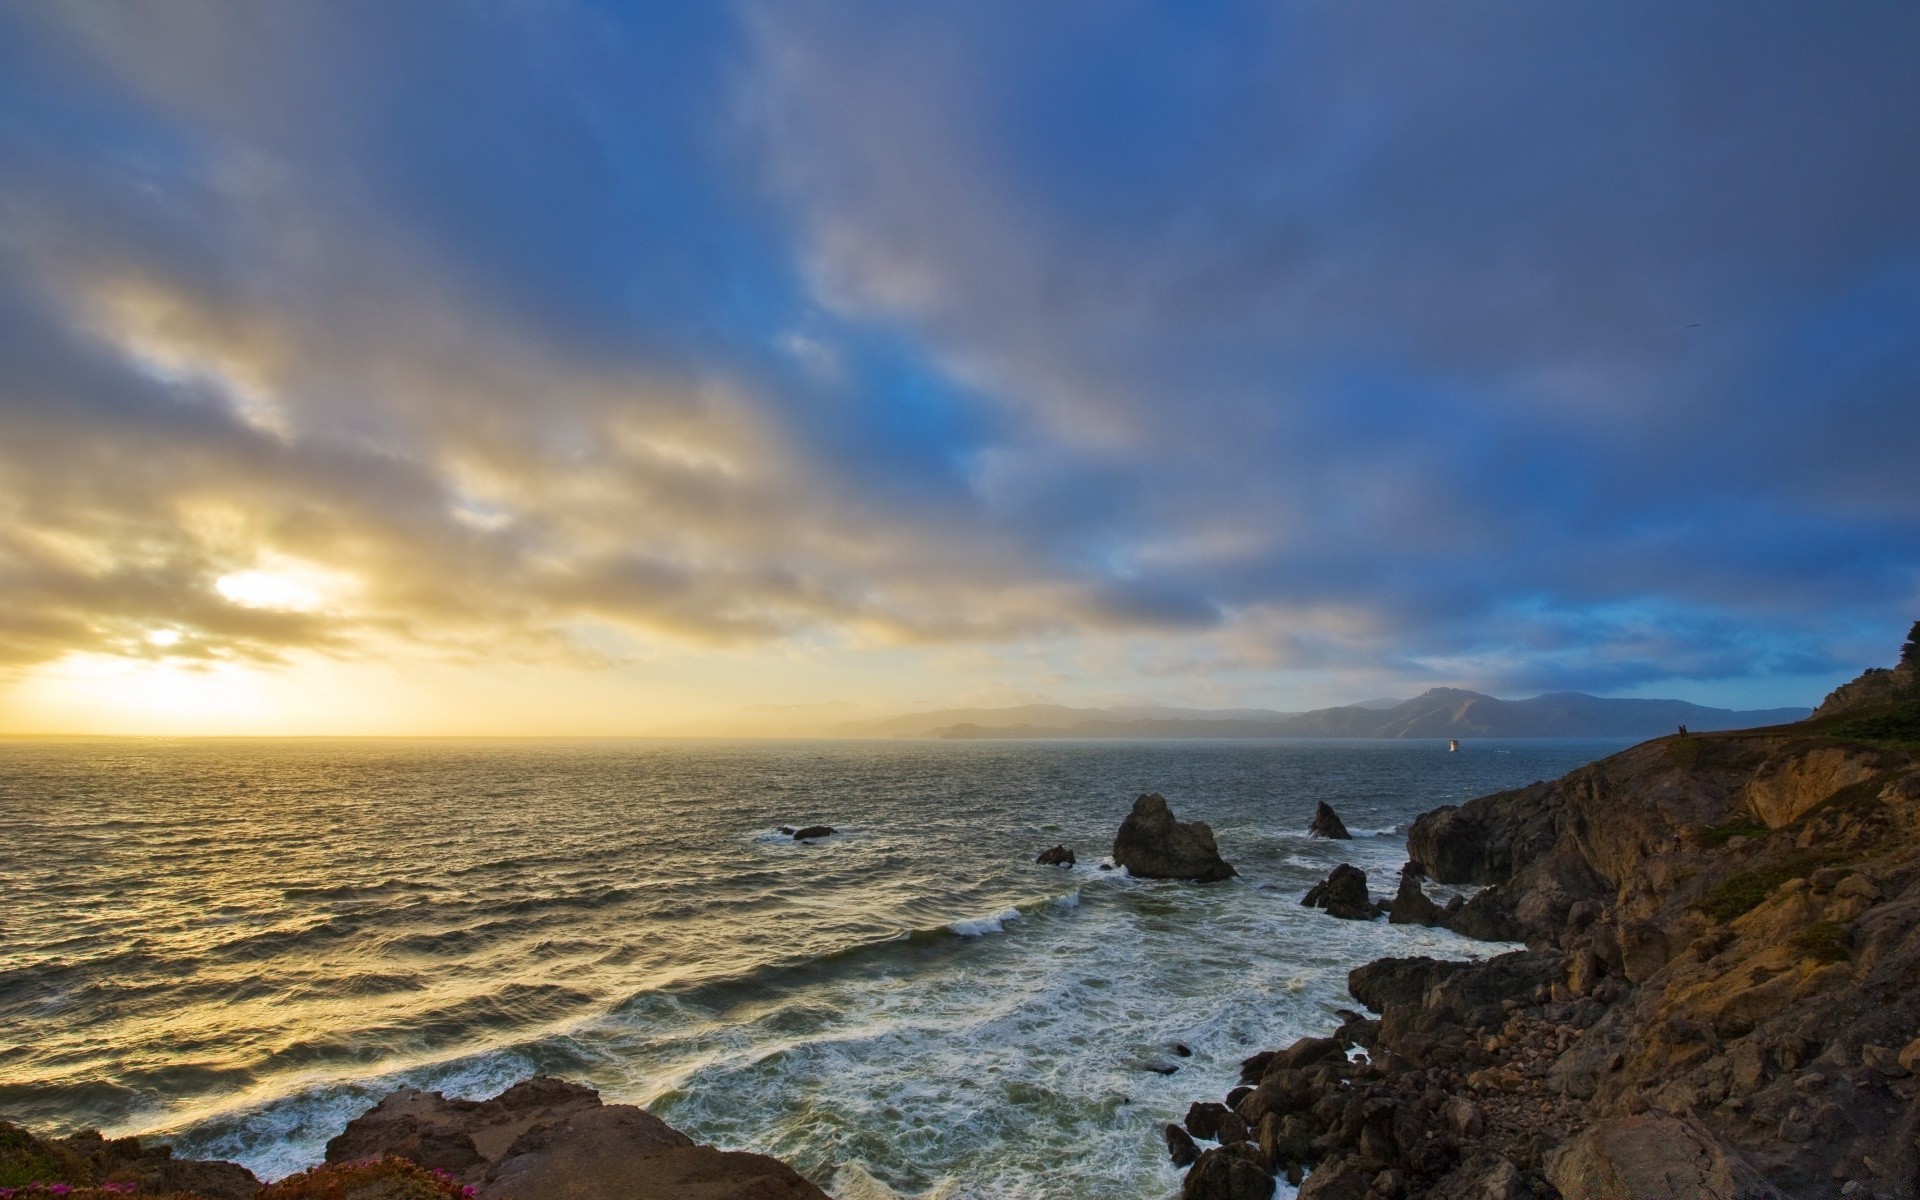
pixel 1718 996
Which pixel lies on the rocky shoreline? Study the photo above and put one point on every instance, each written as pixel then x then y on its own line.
pixel 1718 998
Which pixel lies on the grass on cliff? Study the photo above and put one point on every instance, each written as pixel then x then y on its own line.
pixel 1896 725
pixel 1715 836
pixel 1824 942
pixel 1743 891
pixel 1684 751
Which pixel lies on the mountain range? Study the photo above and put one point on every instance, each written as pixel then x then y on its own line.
pixel 1437 713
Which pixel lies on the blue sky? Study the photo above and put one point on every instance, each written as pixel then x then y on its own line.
pixel 689 357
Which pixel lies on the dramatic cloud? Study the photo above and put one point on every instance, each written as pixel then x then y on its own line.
pixel 1245 353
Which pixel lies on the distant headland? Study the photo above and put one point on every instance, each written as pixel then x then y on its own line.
pixel 1437 713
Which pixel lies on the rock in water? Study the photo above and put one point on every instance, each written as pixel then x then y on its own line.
pixel 1180 1147
pixel 812 831
pixel 1343 894
pixel 1410 905
pixel 1233 1172
pixel 1327 824
pixel 1059 856
pixel 1152 845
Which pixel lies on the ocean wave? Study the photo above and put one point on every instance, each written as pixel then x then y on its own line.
pixel 981 926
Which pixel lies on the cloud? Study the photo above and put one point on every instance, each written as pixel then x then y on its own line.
pixel 1304 345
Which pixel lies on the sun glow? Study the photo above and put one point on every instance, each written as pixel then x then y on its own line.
pixel 282 589
pixel 163 696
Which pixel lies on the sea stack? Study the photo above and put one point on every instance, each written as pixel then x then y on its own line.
pixel 1343 894
pixel 1151 844
pixel 1327 824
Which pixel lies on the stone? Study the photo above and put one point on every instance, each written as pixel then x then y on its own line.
pixel 1327 824
pixel 1910 1056
pixel 1180 1147
pixel 1058 856
pixel 1410 905
pixel 621 1150
pixel 810 832
pixel 1652 1157
pixel 1151 844
pixel 1884 1060
pixel 546 1139
pixel 1343 893
pixel 1231 1172
pixel 1203 1120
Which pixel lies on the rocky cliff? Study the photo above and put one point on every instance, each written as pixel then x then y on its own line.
pixel 1720 995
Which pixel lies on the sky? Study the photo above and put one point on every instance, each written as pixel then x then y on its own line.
pixel 554 366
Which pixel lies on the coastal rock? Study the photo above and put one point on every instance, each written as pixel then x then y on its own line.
pixel 1151 844
pixel 1653 1157
pixel 1058 856
pixel 1236 1171
pixel 806 833
pixel 546 1139
pixel 1180 1147
pixel 1343 893
pixel 621 1150
pixel 461 1137
pixel 1327 824
pixel 88 1159
pixel 1410 905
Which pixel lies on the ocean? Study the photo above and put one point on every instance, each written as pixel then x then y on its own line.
pixel 241 944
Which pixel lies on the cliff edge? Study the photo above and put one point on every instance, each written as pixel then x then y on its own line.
pixel 1720 995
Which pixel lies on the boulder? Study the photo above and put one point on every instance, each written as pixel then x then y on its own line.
pixel 1327 824
pixel 812 831
pixel 1653 1157
pixel 1059 856
pixel 1152 845
pixel 546 1139
pixel 460 1137
pixel 1343 893
pixel 1180 1147
pixel 1232 1172
pixel 622 1150
pixel 1410 905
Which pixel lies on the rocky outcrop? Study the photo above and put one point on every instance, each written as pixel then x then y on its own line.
pixel 1410 905
pixel 1343 893
pixel 1878 686
pixel 1058 856
pixel 1653 1157
pixel 1151 844
pixel 87 1160
pixel 1327 824
pixel 1721 995
pixel 545 1139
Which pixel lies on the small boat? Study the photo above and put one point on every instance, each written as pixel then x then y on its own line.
pixel 1453 743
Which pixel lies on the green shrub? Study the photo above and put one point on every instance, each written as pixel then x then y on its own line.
pixel 26 1159
pixel 1897 724
pixel 1719 835
pixel 1743 891
pixel 1825 942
